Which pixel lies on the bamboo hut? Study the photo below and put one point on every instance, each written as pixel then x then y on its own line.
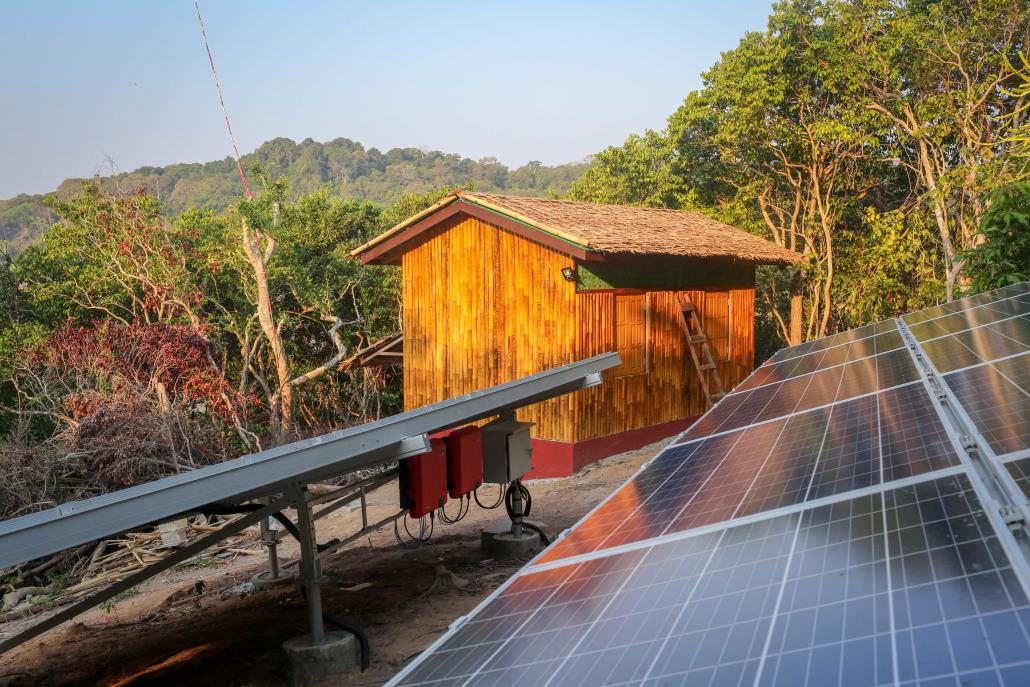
pixel 496 287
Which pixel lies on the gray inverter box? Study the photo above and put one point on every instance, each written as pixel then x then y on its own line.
pixel 507 454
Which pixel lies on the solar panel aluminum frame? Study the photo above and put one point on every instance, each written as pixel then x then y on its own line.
pixel 40 534
pixel 940 390
pixel 1003 501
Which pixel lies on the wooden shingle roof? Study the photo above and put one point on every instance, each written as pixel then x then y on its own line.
pixel 594 228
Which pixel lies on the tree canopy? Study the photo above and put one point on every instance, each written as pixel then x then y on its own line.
pixel 871 137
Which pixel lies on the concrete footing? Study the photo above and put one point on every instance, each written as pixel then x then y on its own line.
pixel 264 579
pixel 498 542
pixel 310 664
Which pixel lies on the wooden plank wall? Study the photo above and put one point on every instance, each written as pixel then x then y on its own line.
pixel 668 390
pixel 483 306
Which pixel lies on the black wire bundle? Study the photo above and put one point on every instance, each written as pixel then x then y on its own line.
pixel 464 505
pixel 527 500
pixel 500 498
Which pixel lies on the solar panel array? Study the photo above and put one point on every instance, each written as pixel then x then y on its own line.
pixel 847 515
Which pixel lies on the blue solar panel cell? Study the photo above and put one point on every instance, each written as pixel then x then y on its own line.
pixel 881 343
pixel 709 422
pixel 996 399
pixel 972 347
pixel 1012 307
pixel 850 454
pixel 1014 291
pixel 913 440
pixel 787 472
pixel 1016 328
pixel 773 465
pixel 1020 472
pixel 969 319
pixel 909 586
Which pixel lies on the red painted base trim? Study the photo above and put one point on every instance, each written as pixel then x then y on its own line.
pixel 564 458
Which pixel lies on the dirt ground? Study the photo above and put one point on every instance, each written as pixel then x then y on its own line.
pixel 208 626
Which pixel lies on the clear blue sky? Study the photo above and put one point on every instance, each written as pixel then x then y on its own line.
pixel 85 83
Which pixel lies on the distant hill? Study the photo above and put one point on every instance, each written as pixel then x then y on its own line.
pixel 344 165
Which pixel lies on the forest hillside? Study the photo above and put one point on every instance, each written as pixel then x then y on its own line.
pixel 346 167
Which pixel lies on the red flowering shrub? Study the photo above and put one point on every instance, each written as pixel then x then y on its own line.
pixel 171 360
pixel 139 402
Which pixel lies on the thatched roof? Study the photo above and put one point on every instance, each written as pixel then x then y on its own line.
pixel 594 228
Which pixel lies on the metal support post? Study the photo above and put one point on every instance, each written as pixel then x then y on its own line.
pixel 516 518
pixel 310 566
pixel 364 509
pixel 270 540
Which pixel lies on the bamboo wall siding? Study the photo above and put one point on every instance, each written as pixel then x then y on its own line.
pixel 668 390
pixel 483 306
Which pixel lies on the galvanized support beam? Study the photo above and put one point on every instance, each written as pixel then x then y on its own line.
pixel 310 566
pixel 189 551
pixel 269 472
pixel 41 534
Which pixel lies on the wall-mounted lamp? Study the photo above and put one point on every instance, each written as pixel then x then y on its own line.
pixel 569 273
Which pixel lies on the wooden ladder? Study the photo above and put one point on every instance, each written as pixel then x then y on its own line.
pixel 707 373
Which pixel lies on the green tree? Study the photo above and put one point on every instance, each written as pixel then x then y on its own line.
pixel 635 173
pixel 1003 256
pixel 936 73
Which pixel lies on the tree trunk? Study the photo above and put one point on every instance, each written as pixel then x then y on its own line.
pixel 281 403
pixel 797 299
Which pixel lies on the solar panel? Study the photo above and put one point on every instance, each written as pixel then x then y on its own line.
pixel 907 586
pixel 996 399
pixel 823 359
pixel 828 522
pixel 807 391
pixel 1017 291
pixel 773 465
pixel 835 340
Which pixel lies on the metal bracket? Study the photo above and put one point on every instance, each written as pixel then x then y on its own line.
pixel 1013 517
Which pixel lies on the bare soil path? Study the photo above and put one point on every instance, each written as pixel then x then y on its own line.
pixel 207 626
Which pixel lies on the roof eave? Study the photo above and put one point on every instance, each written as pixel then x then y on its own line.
pixel 386 248
pixel 397 228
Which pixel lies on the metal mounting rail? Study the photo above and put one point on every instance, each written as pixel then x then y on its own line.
pixel 281 473
pixel 269 472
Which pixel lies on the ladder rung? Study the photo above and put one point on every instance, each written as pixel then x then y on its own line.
pixel 717 397
pixel 687 306
pixel 707 366
pixel 698 339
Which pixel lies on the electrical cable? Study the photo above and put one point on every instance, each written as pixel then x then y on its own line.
pixel 509 500
pixel 543 536
pixel 366 659
pixel 500 498
pixel 527 498
pixel 366 654
pixel 221 103
pixel 423 537
pixel 446 519
pixel 222 509
pixel 464 506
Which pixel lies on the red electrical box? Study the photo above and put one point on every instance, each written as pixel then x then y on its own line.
pixel 423 480
pixel 464 460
